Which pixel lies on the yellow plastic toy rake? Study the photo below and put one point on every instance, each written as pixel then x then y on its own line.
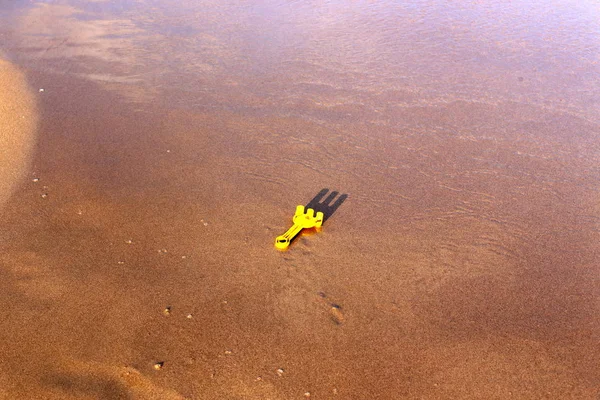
pixel 301 220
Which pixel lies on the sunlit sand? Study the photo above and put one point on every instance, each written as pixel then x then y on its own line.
pixel 18 121
pixel 175 140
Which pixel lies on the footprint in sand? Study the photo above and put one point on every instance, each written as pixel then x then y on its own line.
pixel 77 379
pixel 335 310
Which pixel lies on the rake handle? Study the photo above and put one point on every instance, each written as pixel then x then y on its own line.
pixel 284 240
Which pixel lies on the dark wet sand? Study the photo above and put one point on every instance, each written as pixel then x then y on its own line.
pixel 464 264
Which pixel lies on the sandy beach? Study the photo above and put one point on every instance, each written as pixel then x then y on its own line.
pixel 143 188
pixel 19 124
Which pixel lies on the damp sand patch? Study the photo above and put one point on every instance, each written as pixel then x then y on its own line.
pixel 18 125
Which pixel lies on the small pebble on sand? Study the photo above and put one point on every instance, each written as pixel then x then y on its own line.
pixel 280 371
pixel 44 195
pixel 228 352
pixel 167 310
pixel 41 90
pixel 307 394
pixel 159 365
pixel 189 316
pixel 35 180
pixel 336 314
pixel 129 241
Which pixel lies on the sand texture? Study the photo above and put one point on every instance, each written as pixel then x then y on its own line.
pixel 137 258
pixel 18 123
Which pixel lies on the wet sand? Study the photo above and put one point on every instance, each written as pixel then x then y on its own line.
pixel 140 264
